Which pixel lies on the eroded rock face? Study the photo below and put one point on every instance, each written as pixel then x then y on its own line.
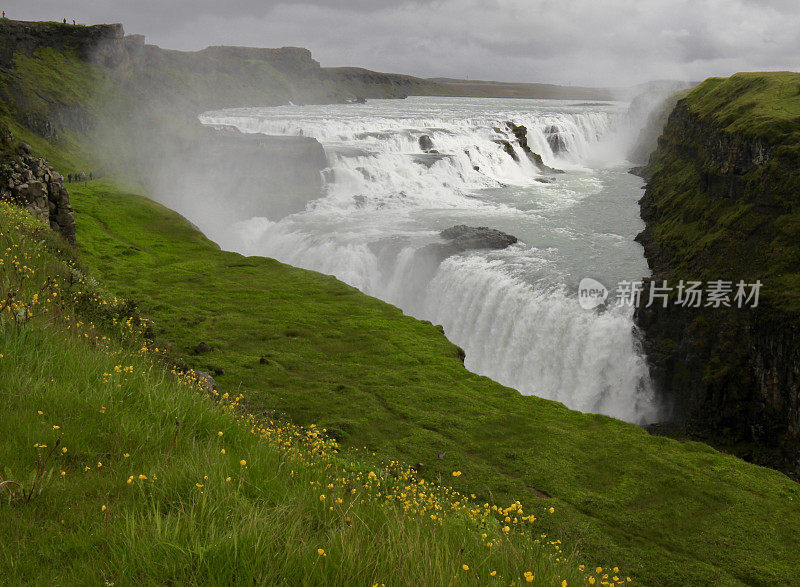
pixel 238 176
pixel 555 139
pixel 30 182
pixel 455 240
pixel 26 37
pixel 425 144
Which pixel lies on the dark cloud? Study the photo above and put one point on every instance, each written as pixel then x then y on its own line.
pixel 600 42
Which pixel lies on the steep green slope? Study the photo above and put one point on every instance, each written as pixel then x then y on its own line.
pixel 673 513
pixel 114 470
pixel 759 105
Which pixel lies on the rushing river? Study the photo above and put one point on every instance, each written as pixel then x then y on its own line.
pixel 513 311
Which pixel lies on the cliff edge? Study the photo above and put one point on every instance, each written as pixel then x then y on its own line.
pixel 723 203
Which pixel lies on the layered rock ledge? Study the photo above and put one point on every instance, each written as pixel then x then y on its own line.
pixel 30 182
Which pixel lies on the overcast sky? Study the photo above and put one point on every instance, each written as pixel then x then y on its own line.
pixel 588 42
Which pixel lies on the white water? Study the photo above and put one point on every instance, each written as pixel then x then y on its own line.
pixel 513 311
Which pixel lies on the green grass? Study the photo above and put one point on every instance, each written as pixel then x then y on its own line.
pixel 145 478
pixel 53 83
pixel 671 512
pixel 764 105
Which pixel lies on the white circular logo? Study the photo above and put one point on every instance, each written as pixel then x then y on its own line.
pixel 591 293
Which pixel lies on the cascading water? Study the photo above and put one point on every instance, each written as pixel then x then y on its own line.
pixel 514 311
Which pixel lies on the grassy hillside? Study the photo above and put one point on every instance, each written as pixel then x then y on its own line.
pixel 115 470
pixel 759 104
pixel 674 513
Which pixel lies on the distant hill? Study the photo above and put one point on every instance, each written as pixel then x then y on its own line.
pixel 489 89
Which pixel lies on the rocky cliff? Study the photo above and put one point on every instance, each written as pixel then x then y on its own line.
pixel 25 38
pixel 30 182
pixel 722 203
pixel 58 78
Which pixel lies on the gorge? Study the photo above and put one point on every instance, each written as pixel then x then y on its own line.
pixel 467 229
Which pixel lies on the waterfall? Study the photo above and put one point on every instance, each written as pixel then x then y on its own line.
pixel 513 311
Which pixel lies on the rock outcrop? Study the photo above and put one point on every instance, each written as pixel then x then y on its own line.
pixel 555 139
pixel 720 204
pixel 30 182
pixel 482 237
pixel 426 144
pixel 462 238
pixel 238 175
pixel 25 37
pixel 520 133
pixel 647 138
